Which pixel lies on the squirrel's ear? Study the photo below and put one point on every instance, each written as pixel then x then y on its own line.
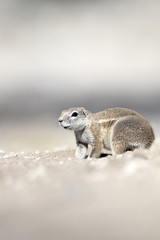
pixel 84 111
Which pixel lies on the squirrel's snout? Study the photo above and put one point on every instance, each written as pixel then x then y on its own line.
pixel 60 120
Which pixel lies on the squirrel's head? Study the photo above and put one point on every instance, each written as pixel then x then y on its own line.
pixel 74 118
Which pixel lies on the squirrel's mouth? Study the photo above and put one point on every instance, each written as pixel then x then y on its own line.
pixel 66 127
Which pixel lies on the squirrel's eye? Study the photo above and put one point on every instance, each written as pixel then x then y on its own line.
pixel 74 114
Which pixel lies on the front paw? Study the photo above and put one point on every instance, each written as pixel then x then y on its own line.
pixel 80 155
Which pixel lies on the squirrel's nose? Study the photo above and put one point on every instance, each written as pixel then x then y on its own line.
pixel 60 120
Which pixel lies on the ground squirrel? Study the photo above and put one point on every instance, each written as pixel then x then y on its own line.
pixel 115 129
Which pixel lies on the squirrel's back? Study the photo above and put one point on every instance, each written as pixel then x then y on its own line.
pixel 114 113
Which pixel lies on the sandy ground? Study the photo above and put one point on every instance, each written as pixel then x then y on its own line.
pixel 52 195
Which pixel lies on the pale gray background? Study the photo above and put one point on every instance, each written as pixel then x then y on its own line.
pixel 58 54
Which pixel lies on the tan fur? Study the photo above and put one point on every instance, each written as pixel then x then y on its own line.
pixel 115 129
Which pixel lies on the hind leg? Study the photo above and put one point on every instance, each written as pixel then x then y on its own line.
pixel 119 139
pixel 130 133
pixel 121 147
pixel 118 147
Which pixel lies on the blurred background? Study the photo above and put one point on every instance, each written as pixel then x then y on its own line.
pixel 59 54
